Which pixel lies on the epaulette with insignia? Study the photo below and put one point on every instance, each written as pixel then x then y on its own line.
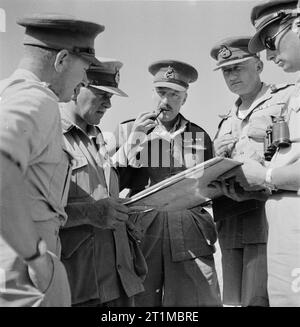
pixel 277 87
pixel 223 118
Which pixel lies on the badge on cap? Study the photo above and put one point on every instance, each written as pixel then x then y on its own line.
pixel 170 73
pixel 225 52
pixel 117 77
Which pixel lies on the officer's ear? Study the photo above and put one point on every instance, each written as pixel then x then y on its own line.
pixel 76 92
pixel 61 60
pixel 296 26
pixel 185 97
pixel 259 66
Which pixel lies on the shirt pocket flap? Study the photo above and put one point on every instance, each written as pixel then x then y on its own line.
pixel 258 126
pixel 72 238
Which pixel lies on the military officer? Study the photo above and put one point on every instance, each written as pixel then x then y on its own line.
pixel 277 25
pixel 178 246
pixel 33 166
pixel 96 250
pixel 241 221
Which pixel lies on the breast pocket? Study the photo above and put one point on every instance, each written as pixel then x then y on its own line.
pixel 258 126
pixel 225 128
pixel 261 119
pixel 59 176
pixel 80 180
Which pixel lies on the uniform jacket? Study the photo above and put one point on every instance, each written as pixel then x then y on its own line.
pixel 158 157
pixel 241 223
pixel 101 264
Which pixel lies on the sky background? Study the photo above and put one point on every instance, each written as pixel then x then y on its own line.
pixel 140 32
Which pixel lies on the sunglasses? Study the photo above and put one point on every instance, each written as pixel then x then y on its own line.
pixel 269 41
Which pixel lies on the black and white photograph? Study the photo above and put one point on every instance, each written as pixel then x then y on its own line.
pixel 149 156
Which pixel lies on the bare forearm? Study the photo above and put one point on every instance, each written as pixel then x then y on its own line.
pixel 287 177
pixel 16 225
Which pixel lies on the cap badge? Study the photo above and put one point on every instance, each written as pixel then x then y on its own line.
pixel 170 73
pixel 117 77
pixel 225 52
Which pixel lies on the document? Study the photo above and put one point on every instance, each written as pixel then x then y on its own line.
pixel 184 190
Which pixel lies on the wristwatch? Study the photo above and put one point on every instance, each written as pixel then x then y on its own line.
pixel 41 249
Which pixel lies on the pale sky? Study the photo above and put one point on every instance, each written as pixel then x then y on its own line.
pixel 140 32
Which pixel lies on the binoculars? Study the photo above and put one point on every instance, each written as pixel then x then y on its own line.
pixel 277 136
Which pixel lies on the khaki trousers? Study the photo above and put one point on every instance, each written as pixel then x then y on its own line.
pixel 245 276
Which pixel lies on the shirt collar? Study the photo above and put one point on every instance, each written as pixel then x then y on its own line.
pixel 260 94
pixel 178 127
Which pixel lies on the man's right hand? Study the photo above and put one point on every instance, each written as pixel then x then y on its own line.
pixel 144 122
pixel 223 145
pixel 109 212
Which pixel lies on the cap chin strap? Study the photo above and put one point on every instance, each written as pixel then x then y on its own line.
pixel 296 26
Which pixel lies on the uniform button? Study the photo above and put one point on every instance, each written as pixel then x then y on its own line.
pixel 157 291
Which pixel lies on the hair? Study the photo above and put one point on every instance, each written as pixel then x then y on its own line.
pixel 41 55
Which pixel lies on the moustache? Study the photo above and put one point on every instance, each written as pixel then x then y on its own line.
pixel 164 107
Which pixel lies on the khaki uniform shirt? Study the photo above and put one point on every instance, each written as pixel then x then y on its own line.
pixel 30 133
pixel 101 263
pixel 244 222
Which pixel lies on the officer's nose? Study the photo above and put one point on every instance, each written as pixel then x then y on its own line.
pixel 164 100
pixel 107 103
pixel 233 76
pixel 85 80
